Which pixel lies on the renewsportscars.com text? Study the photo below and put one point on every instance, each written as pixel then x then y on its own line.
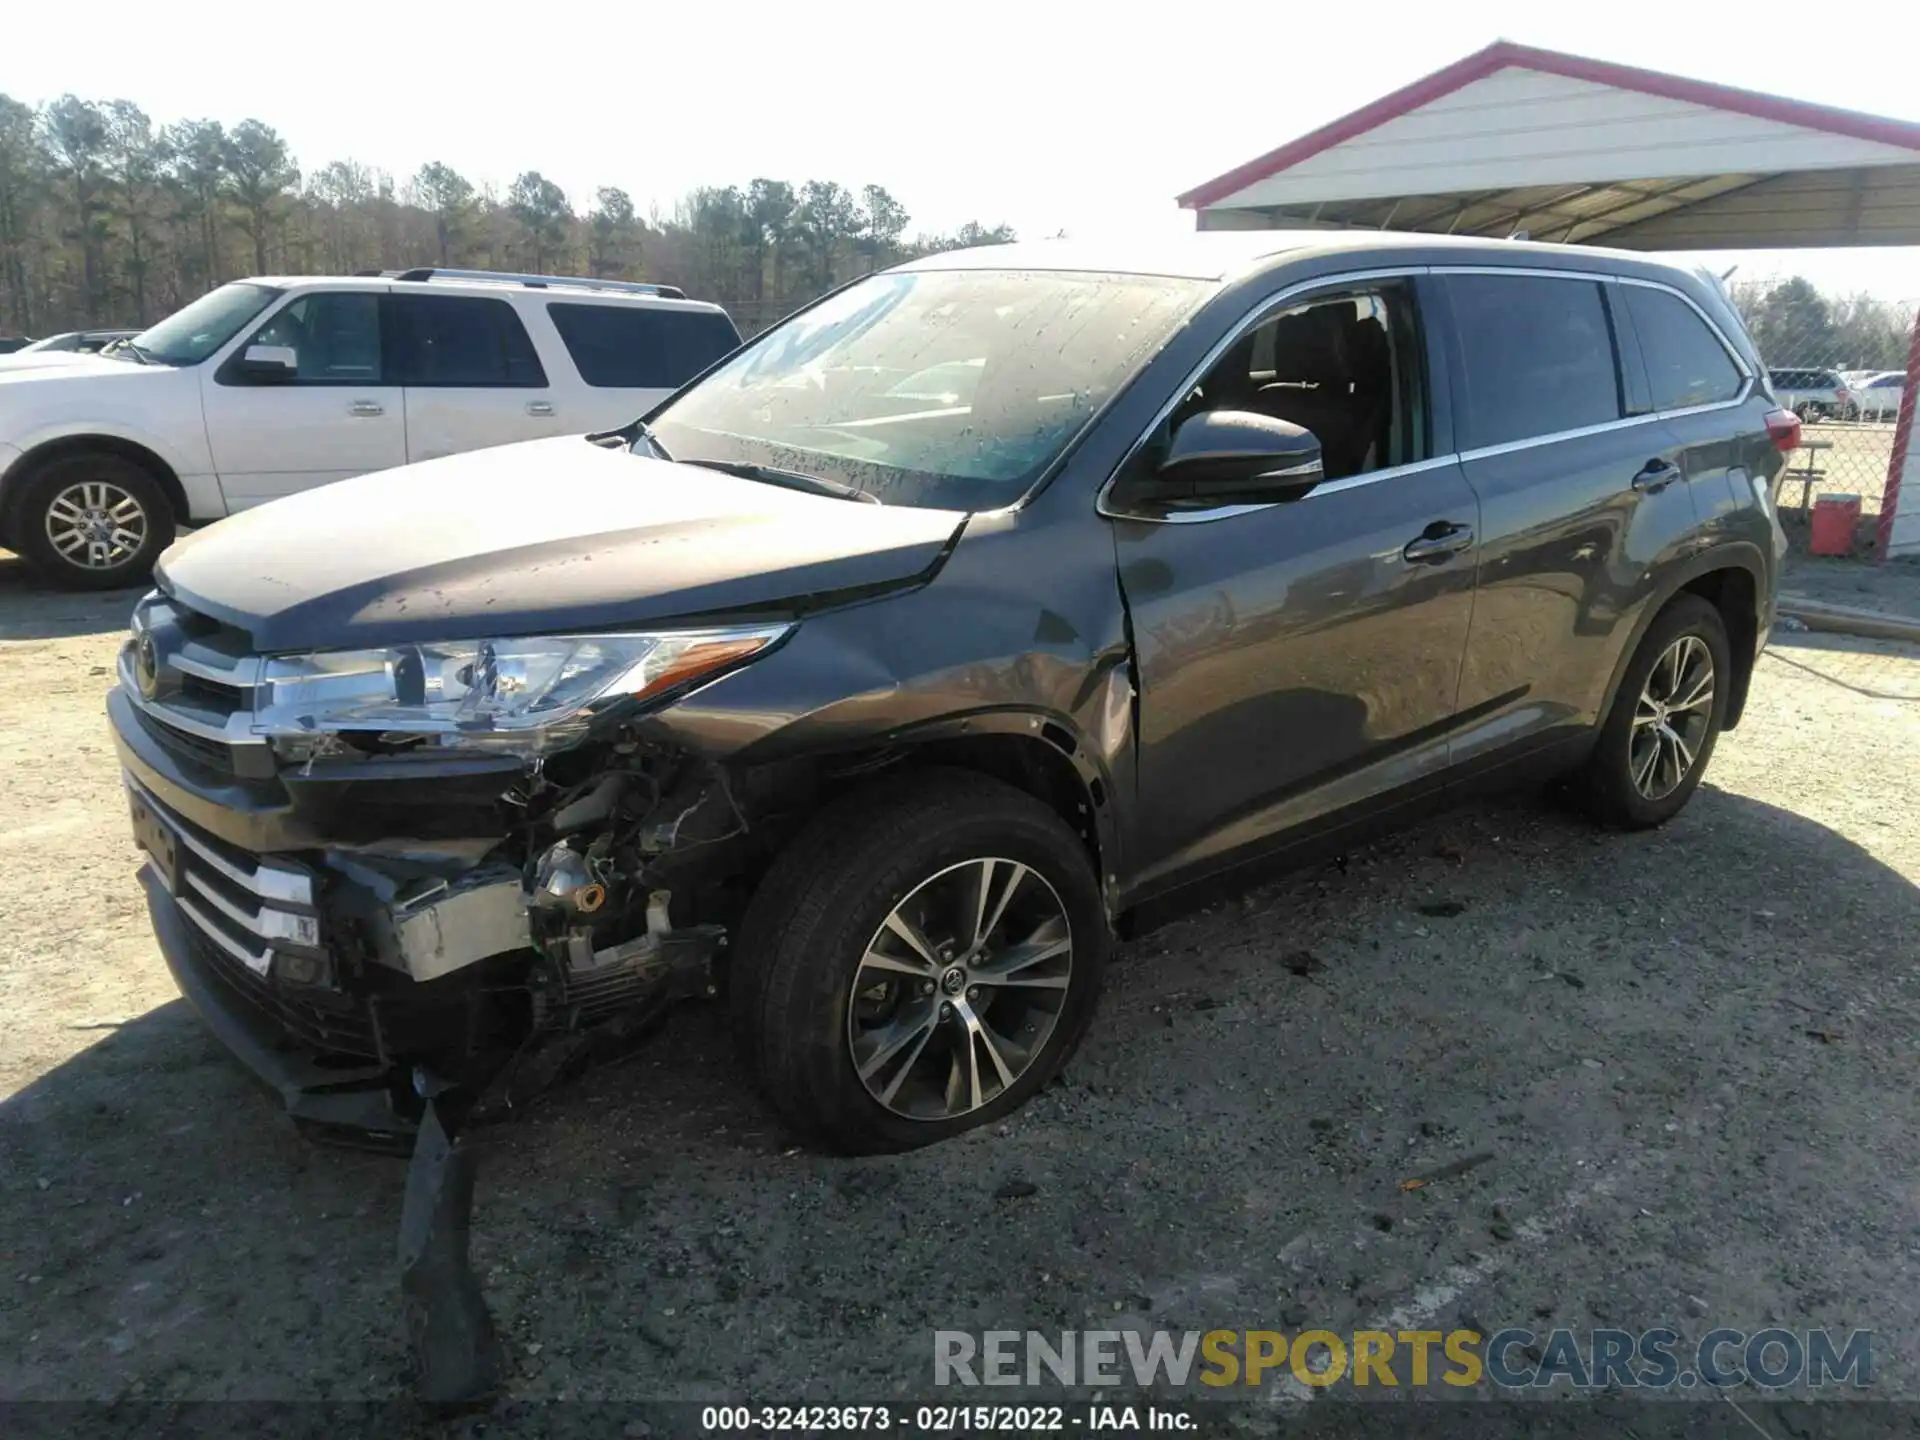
pixel 1509 1359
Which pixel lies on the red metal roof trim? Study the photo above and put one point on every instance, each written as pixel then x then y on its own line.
pixel 1502 54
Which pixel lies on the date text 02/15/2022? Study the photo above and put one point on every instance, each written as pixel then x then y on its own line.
pixel 946 1419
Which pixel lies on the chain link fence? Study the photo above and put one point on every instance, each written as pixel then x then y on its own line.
pixel 1841 365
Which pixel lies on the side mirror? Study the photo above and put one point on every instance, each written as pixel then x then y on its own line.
pixel 1240 457
pixel 270 364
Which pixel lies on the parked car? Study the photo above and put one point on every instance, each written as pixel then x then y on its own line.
pixel 884 717
pixel 77 342
pixel 267 387
pixel 1878 398
pixel 1813 394
pixel 11 343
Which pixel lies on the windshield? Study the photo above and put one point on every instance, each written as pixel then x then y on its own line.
pixel 190 335
pixel 947 388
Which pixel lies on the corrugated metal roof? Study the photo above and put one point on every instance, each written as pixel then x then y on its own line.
pixel 1569 149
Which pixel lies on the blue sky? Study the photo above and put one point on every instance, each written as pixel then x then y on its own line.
pixel 1048 115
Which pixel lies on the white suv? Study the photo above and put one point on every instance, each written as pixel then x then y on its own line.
pixel 269 386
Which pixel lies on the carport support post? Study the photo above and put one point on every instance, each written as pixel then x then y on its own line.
pixel 1902 437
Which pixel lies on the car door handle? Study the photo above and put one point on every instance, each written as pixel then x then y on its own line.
pixel 1655 476
pixel 539 407
pixel 1438 543
pixel 366 407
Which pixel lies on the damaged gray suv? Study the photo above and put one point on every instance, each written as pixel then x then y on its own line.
pixel 982 612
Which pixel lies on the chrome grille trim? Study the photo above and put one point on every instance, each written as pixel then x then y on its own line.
pixel 268 881
pixel 235 729
pixel 257 961
pixel 267 923
pixel 247 906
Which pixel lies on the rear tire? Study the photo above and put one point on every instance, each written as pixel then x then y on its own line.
pixel 1666 717
pixel 92 520
pixel 857 1041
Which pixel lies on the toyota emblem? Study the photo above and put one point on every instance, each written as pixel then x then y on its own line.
pixel 146 666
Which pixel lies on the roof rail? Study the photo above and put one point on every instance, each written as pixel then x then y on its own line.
pixel 544 282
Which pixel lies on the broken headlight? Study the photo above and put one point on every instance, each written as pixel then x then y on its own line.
pixel 521 695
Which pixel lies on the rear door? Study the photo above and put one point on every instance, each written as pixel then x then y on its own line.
pixel 337 416
pixel 1695 382
pixel 632 356
pixel 1582 497
pixel 471 375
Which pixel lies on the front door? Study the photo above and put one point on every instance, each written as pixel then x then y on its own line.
pixel 1297 660
pixel 334 417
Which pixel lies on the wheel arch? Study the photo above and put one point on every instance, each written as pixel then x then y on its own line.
pixel 1037 752
pixel 20 474
pixel 1731 578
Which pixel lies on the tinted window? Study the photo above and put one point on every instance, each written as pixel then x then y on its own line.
pixel 1536 354
pixel 334 336
pixel 640 348
pixel 459 340
pixel 1686 364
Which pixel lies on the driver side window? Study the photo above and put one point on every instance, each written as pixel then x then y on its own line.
pixel 1345 366
pixel 334 335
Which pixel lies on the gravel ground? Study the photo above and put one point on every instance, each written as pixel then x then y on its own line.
pixel 1687 1058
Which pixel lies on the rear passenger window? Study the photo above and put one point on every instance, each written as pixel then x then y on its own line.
pixel 1536 357
pixel 457 340
pixel 633 347
pixel 1686 363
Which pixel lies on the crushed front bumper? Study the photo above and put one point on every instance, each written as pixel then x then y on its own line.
pixel 327 1094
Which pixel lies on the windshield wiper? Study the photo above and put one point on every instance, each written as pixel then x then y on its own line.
pixel 140 353
pixel 627 435
pixel 790 479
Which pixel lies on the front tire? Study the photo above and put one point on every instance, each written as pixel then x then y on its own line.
pixel 1666 717
pixel 921 960
pixel 93 521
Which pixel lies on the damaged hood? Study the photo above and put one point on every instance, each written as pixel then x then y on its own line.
pixel 549 535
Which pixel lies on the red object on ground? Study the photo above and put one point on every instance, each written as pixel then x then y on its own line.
pixel 1835 518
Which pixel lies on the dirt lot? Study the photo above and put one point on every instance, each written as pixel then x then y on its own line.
pixel 1689 1057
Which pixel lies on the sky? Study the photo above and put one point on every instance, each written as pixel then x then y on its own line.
pixel 1050 116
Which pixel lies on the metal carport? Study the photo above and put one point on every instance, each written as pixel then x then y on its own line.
pixel 1516 139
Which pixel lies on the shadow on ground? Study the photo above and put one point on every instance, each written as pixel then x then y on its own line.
pixel 1238 1114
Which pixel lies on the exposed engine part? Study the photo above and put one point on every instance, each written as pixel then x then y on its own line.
pixel 446 925
pixel 662 963
pixel 596 805
pixel 700 810
pixel 564 880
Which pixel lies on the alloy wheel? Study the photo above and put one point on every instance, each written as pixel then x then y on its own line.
pixel 96 525
pixel 960 989
pixel 1671 718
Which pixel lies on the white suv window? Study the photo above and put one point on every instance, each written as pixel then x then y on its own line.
pixel 334 335
pixel 460 341
pixel 638 347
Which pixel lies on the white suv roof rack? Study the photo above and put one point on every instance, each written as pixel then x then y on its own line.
pixel 534 282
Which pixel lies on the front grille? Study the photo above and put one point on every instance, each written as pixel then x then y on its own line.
pixel 346 1031
pixel 192 678
pixel 251 918
pixel 216 754
pixel 259 929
